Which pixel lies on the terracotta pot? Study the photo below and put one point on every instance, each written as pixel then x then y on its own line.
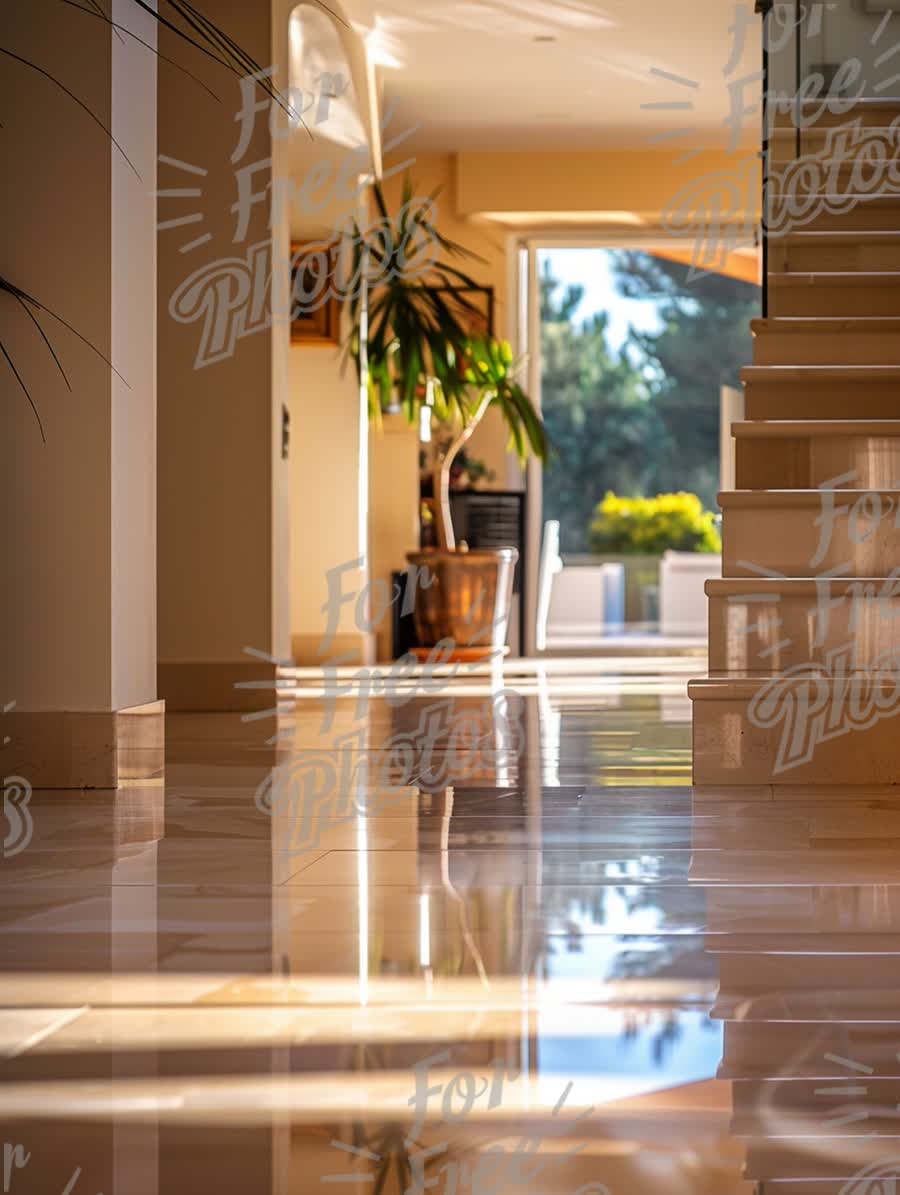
pixel 468 599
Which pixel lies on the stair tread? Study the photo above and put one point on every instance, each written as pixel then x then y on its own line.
pixel 886 198
pixel 874 103
pixel 842 277
pixel 838 236
pixel 829 324
pixel 743 686
pixel 829 372
pixel 780 133
pixel 793 428
pixel 758 499
pixel 799 586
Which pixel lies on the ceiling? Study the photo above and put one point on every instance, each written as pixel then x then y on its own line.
pixel 566 74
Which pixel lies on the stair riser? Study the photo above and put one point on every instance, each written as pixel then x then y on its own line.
pixel 829 298
pixel 758 1103
pixel 864 216
pixel 826 348
pixel 848 628
pixel 793 203
pixel 731 748
pixel 804 909
pixel 773 463
pixel 798 258
pixel 790 1164
pixel 786 540
pixel 825 113
pixel 821 400
pixel 823 151
pixel 800 1049
pixel 805 973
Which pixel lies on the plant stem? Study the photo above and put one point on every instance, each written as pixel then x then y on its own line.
pixel 443 465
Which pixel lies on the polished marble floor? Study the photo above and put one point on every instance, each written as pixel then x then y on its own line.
pixel 475 934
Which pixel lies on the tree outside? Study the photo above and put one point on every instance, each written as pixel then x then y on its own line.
pixel 638 417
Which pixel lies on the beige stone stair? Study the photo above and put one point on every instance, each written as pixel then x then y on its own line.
pixel 797 533
pixel 802 1048
pixel 795 731
pixel 807 453
pixel 834 293
pixel 865 213
pixel 815 116
pixel 838 251
pixel 818 391
pixel 828 341
pixel 769 625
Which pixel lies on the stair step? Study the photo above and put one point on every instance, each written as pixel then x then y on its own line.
pixel 818 1099
pixel 835 212
pixel 805 454
pixel 794 188
pixel 820 391
pixel 815 137
pixel 800 533
pixel 790 731
pixel 847 945
pixel 786 867
pixel 809 972
pixel 818 114
pixel 828 1005
pixel 808 1168
pixel 845 143
pixel 762 625
pixel 846 341
pixel 802 251
pixel 819 911
pixel 802 1049
pixel 833 293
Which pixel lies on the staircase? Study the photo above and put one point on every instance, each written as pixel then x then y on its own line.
pixel 804 681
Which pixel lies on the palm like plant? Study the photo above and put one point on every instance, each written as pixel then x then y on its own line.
pixel 487 372
pixel 419 349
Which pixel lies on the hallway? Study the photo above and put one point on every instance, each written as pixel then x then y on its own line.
pixel 230 983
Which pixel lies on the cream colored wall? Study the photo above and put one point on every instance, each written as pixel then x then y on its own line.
pixel 78 521
pixel 641 182
pixel 329 438
pixel 393 506
pixel 324 471
pixel 222 499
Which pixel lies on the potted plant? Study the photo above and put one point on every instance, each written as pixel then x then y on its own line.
pixel 420 352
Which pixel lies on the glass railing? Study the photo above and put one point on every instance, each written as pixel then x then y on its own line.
pixel 821 59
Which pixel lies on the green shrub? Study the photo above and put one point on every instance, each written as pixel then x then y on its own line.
pixel 651 526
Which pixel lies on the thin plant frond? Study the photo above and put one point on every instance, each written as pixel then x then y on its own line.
pixel 96 11
pixel 44 337
pixel 19 379
pixel 96 119
pixel 11 288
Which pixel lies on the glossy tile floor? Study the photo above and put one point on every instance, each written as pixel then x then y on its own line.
pixel 452 941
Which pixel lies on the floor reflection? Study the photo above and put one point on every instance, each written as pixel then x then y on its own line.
pixel 245 979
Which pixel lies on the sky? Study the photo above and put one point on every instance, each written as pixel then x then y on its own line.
pixel 590 268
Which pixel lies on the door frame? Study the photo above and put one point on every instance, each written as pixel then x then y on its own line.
pixel 525 334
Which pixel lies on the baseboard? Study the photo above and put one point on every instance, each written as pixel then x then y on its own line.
pixel 352 650
pixel 216 686
pixel 85 748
